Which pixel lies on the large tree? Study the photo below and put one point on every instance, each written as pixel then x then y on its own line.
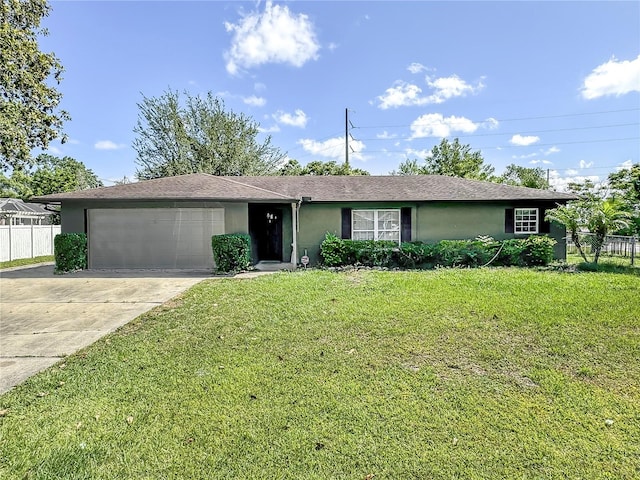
pixel 293 167
pixel 176 137
pixel 29 113
pixel 524 177
pixel 452 159
pixel 625 189
pixel 49 175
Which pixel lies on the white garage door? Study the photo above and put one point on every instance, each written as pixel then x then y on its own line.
pixel 153 237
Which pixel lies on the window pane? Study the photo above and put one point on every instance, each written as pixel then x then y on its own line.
pixel 363 220
pixel 363 235
pixel 393 236
pixel 526 220
pixel 388 220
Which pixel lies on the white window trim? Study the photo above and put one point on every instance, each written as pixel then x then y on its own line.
pixel 375 221
pixel 518 231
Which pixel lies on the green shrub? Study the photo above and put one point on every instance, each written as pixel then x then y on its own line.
pixel 534 250
pixel 231 252
pixel 70 252
pixel 538 250
pixel 371 253
pixel 462 253
pixel 333 251
pixel 511 253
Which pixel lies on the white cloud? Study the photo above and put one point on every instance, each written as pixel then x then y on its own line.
pixel 561 183
pixel 435 125
pixel 535 162
pixel 551 150
pixel 333 148
pixel 401 95
pixel 271 129
pixel 274 36
pixel 332 46
pixel 386 135
pixel 571 171
pixel 420 154
pixel 612 78
pixel 491 123
pixel 298 119
pixel 449 87
pixel 255 101
pixel 416 67
pixel 524 141
pixel 584 164
pixel 259 87
pixel 108 145
pixel 626 165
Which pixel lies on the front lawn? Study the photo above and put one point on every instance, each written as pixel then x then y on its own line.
pixel 26 261
pixel 471 374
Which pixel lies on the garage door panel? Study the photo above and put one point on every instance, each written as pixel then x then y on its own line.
pixel 153 237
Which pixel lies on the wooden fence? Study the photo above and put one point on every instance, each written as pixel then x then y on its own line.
pixel 26 241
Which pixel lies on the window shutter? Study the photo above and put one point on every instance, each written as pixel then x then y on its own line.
pixel 543 225
pixel 405 224
pixel 346 223
pixel 508 220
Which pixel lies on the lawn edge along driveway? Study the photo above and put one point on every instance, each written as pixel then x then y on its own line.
pixel 45 317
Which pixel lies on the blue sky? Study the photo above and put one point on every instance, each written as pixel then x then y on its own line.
pixel 548 84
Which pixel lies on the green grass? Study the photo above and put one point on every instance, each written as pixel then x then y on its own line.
pixel 470 374
pixel 26 261
pixel 610 264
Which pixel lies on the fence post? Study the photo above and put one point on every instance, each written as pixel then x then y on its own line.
pixel 633 249
pixel 10 240
pixel 32 239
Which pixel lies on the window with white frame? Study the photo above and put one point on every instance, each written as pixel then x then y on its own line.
pixel 375 225
pixel 526 220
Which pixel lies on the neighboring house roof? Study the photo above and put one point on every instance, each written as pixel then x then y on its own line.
pixel 201 186
pixel 15 206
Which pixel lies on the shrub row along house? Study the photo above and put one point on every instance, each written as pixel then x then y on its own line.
pixel 168 222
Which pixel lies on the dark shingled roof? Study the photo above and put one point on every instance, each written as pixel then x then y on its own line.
pixel 202 186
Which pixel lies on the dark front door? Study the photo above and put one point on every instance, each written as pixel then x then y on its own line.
pixel 269 233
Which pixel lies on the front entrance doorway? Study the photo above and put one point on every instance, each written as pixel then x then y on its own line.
pixel 265 227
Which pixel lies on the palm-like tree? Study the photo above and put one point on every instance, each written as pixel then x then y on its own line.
pixel 605 217
pixel 572 217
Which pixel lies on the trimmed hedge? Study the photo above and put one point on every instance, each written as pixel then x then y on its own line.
pixel 231 252
pixel 70 252
pixel 533 250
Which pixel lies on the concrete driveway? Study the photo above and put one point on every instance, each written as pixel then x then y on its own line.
pixel 44 317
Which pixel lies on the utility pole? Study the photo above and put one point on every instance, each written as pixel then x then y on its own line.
pixel 346 137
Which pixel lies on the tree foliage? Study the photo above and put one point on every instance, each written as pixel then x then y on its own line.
pixel 50 175
pixel 625 189
pixel 598 216
pixel 524 177
pixel 293 167
pixel 451 159
pixel 199 136
pixel 29 114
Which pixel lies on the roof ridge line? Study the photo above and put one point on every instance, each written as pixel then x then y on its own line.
pixel 252 186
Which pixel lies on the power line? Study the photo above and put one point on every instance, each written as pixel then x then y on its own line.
pixel 564 115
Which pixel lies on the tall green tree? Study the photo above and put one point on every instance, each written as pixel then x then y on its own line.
pixel 451 159
pixel 58 175
pixel 625 189
pixel 293 167
pixel 29 113
pixel 49 175
pixel 199 135
pixel 524 177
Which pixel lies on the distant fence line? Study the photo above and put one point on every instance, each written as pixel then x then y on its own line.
pixel 26 241
pixel 614 246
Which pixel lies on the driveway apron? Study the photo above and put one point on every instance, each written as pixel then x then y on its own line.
pixel 45 317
